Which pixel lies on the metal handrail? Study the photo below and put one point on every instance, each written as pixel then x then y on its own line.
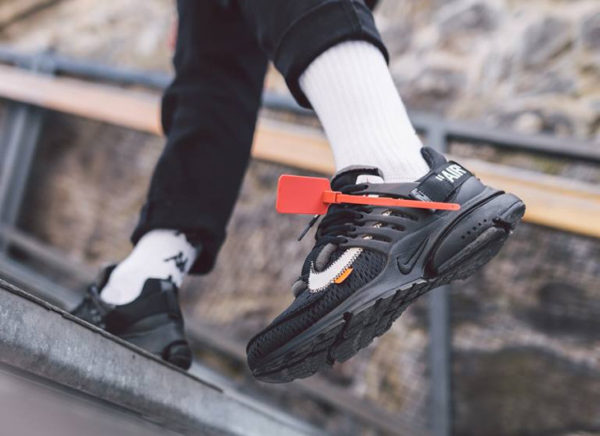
pixel 569 148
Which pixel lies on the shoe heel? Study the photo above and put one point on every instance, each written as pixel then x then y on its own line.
pixel 166 339
pixel 178 354
pixel 476 238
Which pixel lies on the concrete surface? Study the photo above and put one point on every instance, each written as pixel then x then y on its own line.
pixel 41 342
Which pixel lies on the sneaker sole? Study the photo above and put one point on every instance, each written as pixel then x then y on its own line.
pixel 166 340
pixel 487 228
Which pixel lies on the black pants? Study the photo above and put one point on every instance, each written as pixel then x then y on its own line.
pixel 209 111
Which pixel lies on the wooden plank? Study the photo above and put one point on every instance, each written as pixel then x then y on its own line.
pixel 551 201
pixel 12 11
pixel 298 147
pixel 110 104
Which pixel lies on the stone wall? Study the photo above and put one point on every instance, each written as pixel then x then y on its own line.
pixel 525 329
pixel 531 66
pixel 526 65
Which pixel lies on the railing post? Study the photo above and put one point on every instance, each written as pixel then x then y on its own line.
pixel 19 137
pixel 439 331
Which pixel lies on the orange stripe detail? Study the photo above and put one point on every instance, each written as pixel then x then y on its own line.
pixel 335 197
pixel 343 276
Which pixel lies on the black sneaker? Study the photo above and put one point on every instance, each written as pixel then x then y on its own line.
pixel 153 321
pixel 369 263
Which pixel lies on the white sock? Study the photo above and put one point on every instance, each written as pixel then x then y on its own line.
pixel 351 90
pixel 160 254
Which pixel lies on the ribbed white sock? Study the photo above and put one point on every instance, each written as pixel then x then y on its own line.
pixel 351 90
pixel 159 254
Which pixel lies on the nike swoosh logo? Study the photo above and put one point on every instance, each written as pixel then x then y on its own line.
pixel 317 281
pixel 407 260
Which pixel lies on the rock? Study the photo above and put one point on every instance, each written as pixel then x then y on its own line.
pixel 397 38
pixel 590 32
pixel 467 16
pixel 533 121
pixel 528 122
pixel 524 121
pixel 563 309
pixel 442 3
pixel 559 124
pixel 466 307
pixel 434 89
pixel 544 40
pixel 14 11
pixel 523 391
pixel 551 82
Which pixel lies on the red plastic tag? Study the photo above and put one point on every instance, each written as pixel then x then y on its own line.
pixel 313 195
pixel 302 195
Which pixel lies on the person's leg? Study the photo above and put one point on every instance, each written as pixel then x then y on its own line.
pixel 209 115
pixel 333 59
pixel 365 120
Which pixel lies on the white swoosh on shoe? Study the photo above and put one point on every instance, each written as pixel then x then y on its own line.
pixel 317 281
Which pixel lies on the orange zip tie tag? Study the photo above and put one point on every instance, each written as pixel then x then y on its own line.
pixel 313 195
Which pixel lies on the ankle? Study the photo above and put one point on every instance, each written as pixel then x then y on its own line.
pixel 160 254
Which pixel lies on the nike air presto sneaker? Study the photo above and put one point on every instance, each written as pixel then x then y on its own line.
pixel 153 321
pixel 370 262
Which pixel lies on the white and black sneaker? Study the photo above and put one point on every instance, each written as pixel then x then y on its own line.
pixel 370 262
pixel 153 321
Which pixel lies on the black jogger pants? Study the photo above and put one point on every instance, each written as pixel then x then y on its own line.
pixel 209 111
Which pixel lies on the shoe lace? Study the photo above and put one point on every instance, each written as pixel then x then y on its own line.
pixel 339 220
pixel 343 219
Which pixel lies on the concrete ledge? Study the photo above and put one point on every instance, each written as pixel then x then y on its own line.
pixel 42 340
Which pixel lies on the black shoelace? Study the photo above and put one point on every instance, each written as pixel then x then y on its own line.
pixel 339 220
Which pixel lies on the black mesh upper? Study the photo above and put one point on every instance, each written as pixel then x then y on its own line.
pixel 309 307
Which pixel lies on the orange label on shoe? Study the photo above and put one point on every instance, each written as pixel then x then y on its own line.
pixel 343 276
pixel 302 195
pixel 313 195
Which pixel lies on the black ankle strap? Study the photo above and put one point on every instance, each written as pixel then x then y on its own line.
pixel 440 184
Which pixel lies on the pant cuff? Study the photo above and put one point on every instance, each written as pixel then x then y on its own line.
pixel 323 27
